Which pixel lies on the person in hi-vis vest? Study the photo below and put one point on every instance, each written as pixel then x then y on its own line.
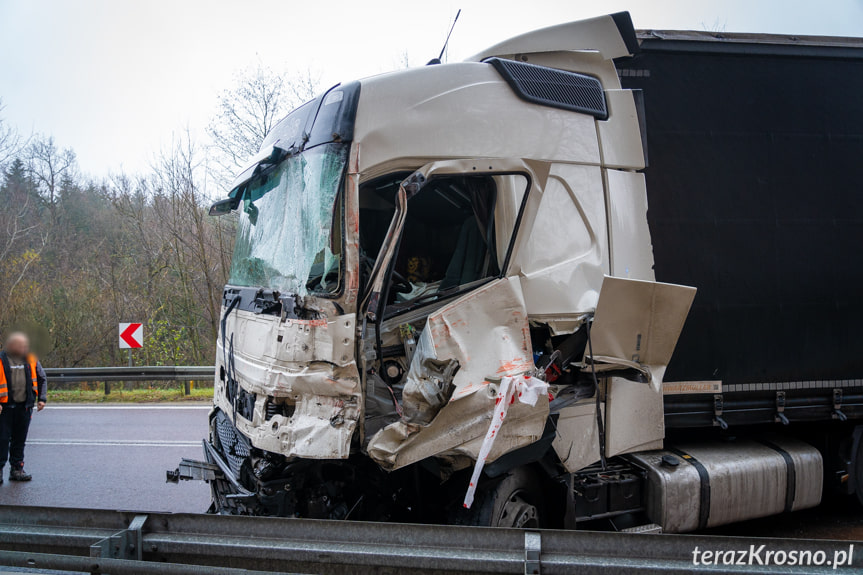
pixel 22 385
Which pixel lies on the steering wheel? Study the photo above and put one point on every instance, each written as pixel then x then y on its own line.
pixel 400 284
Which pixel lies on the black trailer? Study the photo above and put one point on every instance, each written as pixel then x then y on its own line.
pixel 755 150
pixel 755 147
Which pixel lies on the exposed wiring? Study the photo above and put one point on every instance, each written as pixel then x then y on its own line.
pixel 379 313
pixel 600 426
pixel 228 357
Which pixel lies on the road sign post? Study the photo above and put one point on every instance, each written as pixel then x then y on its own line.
pixel 131 337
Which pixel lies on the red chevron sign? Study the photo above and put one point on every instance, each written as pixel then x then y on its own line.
pixel 131 335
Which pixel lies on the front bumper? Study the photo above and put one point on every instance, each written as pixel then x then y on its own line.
pixel 224 456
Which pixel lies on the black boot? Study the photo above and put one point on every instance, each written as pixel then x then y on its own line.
pixel 18 474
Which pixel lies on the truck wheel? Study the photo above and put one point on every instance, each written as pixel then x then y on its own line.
pixel 518 512
pixel 514 501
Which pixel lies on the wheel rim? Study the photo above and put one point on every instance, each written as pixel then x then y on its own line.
pixel 517 512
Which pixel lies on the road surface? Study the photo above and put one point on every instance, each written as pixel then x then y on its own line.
pixel 115 457
pixel 111 457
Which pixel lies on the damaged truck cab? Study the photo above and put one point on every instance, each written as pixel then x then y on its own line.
pixel 442 304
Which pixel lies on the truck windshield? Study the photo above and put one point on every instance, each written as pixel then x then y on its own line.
pixel 289 232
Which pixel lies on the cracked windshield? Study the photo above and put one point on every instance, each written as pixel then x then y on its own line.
pixel 289 232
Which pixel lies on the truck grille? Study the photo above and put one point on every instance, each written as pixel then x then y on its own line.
pixel 234 447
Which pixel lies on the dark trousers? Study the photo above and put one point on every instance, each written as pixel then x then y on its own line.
pixel 14 423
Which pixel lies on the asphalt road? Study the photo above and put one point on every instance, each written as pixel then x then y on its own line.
pixel 115 457
pixel 111 457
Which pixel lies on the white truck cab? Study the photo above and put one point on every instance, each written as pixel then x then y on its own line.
pixel 442 304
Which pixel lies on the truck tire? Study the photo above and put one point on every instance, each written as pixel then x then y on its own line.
pixel 513 501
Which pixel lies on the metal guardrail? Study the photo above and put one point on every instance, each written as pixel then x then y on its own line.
pixel 146 373
pixel 126 542
pixel 106 375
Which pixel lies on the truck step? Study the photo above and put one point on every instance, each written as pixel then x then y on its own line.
pixel 647 528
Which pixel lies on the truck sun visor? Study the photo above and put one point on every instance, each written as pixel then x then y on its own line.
pixel 555 88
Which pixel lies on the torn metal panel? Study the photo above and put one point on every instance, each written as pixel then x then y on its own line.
pixel 577 439
pixel 429 386
pixel 637 324
pixel 306 364
pixel 634 418
pixel 559 324
pixel 487 332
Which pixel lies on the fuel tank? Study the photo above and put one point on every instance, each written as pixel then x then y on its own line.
pixel 700 485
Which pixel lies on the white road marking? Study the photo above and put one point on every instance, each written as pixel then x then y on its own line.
pixel 53 407
pixel 115 442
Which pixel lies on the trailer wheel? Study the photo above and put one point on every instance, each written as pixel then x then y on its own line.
pixel 513 501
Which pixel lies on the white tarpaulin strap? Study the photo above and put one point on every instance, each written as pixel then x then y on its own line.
pixel 527 389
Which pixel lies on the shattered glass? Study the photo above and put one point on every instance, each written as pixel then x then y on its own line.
pixel 289 230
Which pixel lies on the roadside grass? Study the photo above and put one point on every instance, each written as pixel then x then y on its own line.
pixel 129 396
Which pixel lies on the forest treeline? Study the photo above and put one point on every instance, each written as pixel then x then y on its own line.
pixel 78 255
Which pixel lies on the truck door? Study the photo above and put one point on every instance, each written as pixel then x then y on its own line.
pixel 447 319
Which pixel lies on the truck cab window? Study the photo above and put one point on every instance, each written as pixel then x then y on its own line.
pixel 456 233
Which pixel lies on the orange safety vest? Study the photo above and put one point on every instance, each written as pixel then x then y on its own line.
pixel 4 389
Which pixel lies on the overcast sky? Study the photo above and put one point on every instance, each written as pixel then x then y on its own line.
pixel 116 80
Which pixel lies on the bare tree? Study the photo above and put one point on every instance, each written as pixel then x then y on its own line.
pixel 49 166
pixel 717 27
pixel 77 256
pixel 11 141
pixel 16 232
pixel 403 61
pixel 181 254
pixel 22 239
pixel 250 109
